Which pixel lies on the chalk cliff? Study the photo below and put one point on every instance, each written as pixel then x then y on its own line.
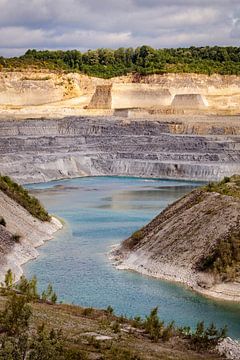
pixel 44 92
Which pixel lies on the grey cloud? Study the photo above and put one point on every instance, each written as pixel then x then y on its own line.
pixel 87 24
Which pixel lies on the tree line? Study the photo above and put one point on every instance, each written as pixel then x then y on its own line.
pixel 144 60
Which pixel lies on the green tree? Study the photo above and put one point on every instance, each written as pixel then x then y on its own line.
pixel 9 279
pixel 14 319
pixel 153 325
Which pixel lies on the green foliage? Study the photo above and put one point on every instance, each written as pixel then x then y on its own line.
pixel 168 332
pixel 228 186
pixel 137 235
pixel 28 287
pixel 9 279
pixel 118 353
pixel 46 345
pixel 144 60
pixel 18 340
pixel 205 338
pixel 15 318
pixel 138 322
pixel 110 310
pixel 74 354
pixel 87 311
pixel 22 197
pixel 153 325
pixel 53 298
pixel 49 294
pixel 225 259
pixel 2 221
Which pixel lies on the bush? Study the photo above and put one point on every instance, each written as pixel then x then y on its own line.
pixel 49 295
pixel 168 332
pixel 16 315
pixel 110 310
pixel 153 325
pixel 206 338
pixel 28 287
pixel 87 311
pixel 225 258
pixel 9 279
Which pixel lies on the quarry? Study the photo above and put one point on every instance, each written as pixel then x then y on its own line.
pixel 172 125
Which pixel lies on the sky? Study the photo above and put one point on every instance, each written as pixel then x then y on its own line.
pixel 90 24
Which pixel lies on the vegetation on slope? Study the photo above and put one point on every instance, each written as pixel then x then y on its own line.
pixel 72 332
pixel 224 261
pixel 22 197
pixel 144 60
pixel 228 186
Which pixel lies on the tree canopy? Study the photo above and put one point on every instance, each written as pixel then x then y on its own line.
pixel 145 60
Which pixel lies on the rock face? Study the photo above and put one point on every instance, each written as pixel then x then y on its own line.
pixel 102 98
pixel 79 92
pixel 189 101
pixel 183 236
pixel 42 150
pixel 133 95
pixel 32 232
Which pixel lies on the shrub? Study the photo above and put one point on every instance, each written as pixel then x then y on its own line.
pixel 228 186
pixel 225 258
pixel 9 279
pixel 87 311
pixel 28 287
pixel 110 310
pixel 153 325
pixel 16 315
pixel 49 294
pixel 168 332
pixel 206 338
pixel 137 235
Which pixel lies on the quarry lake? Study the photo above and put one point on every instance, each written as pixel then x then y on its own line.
pixel 98 213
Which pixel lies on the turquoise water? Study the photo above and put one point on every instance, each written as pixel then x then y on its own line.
pixel 98 213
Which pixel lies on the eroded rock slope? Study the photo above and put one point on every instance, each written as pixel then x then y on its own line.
pixel 31 233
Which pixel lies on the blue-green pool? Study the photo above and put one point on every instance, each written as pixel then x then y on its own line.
pixel 99 212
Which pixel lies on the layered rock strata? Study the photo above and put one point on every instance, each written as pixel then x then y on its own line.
pixel 42 150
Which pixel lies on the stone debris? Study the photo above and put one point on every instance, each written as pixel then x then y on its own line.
pixel 97 336
pixel 229 348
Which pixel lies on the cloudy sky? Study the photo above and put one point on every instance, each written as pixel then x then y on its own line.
pixel 89 24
